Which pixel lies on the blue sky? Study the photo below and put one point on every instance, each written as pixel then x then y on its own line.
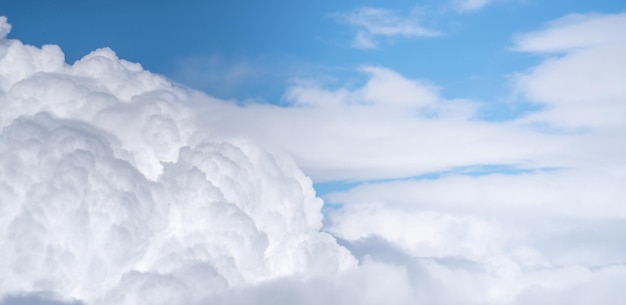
pixel 277 40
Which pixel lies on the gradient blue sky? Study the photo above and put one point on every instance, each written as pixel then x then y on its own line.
pixel 274 41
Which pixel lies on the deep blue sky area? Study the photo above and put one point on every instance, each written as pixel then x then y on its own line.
pixel 285 39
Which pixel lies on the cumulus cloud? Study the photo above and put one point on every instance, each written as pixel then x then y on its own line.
pixel 111 195
pixel 371 23
pixel 117 187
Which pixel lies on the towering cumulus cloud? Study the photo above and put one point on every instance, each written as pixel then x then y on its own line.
pixel 110 194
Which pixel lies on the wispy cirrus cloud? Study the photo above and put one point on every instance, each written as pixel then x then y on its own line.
pixel 372 23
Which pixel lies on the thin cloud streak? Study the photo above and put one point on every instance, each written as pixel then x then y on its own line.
pixel 372 23
pixel 574 32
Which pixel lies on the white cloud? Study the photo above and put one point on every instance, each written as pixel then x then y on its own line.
pixel 5 27
pixel 374 22
pixel 109 193
pixel 573 32
pixel 384 88
pixel 561 193
pixel 389 127
pixel 548 236
pixel 364 40
pixel 459 216
pixel 581 86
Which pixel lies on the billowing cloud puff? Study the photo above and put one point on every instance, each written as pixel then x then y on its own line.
pixel 107 198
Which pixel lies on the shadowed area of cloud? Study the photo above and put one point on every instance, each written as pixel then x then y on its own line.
pixel 35 299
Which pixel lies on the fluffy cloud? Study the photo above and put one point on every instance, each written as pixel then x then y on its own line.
pixel 110 194
pixel 374 22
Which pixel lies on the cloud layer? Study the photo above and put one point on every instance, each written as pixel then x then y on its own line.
pixel 519 235
pixel 581 85
pixel 118 187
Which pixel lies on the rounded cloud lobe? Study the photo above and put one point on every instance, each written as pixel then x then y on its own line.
pixel 110 194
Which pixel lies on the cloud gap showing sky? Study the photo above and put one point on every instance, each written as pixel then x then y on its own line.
pixel 120 186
